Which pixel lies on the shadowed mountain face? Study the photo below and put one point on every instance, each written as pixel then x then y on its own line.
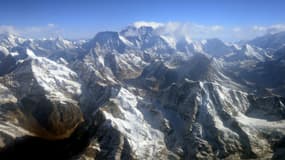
pixel 136 94
pixel 30 147
pixel 270 41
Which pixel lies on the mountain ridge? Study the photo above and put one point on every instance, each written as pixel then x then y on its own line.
pixel 136 94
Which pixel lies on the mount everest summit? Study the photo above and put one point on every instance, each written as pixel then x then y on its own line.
pixel 139 94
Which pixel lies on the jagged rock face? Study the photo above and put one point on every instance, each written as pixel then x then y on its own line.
pixel 121 118
pixel 55 119
pixel 216 48
pixel 11 118
pixel 8 63
pixel 270 41
pixel 47 101
pixel 135 94
pixel 146 39
pixel 105 42
pixel 10 41
pixel 264 78
pixel 268 108
pixel 198 68
pixel 223 123
pixel 248 53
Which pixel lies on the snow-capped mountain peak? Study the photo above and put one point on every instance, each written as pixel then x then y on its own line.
pixel 142 94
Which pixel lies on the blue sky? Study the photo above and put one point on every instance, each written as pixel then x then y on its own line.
pixel 82 18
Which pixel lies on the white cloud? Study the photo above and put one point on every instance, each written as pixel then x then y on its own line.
pixel 259 28
pixel 174 29
pixel 217 28
pixel 200 31
pixel 8 29
pixel 49 30
pixel 270 29
pixel 51 25
pixel 189 30
pixel 236 29
pixel 149 24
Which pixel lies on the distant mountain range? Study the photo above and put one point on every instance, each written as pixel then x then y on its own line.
pixel 136 94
